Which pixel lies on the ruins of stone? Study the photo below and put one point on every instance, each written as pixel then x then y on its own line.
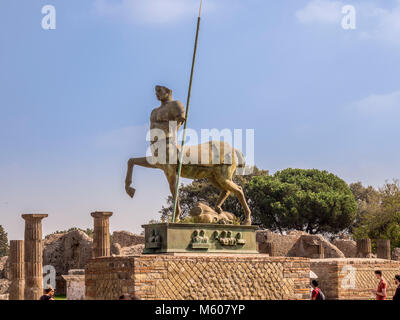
pixel 75 284
pixel 311 254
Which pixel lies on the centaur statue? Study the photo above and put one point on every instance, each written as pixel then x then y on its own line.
pixel 215 161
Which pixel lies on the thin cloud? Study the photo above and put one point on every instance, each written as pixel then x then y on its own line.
pixel 153 12
pixel 320 11
pixel 379 103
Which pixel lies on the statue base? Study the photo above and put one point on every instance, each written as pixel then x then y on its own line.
pixel 199 238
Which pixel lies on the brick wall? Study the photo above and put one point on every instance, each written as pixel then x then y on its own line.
pixel 352 279
pixel 210 277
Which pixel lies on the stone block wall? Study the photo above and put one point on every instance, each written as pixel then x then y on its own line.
pixel 347 246
pixel 198 277
pixel 352 279
pixel 284 244
pixel 126 239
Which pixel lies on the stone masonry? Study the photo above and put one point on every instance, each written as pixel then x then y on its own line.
pixel 352 279
pixel 126 239
pixel 347 246
pixel 383 249
pixel 101 234
pixel 198 277
pixel 75 284
pixel 17 286
pixel 33 256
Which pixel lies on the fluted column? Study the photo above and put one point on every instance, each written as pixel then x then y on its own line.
pixel 383 249
pixel 17 286
pixel 364 249
pixel 101 234
pixel 33 256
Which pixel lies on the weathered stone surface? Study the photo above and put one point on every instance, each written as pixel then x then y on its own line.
pixel 347 246
pixel 33 256
pixel 133 250
pixel 115 249
pixel 198 277
pixel 284 244
pixel 315 246
pixel 75 284
pixel 4 286
pixel 396 254
pixel 67 251
pixel 267 248
pixel 126 239
pixel 101 234
pixel 364 248
pixel 4 268
pixel 353 278
pixel 17 267
pixel 383 249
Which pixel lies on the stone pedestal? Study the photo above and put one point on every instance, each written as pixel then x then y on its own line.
pixel 199 238
pixel 17 270
pixel 101 234
pixel 75 284
pixel 383 249
pixel 33 256
pixel 364 248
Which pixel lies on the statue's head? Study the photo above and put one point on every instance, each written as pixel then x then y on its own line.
pixel 163 93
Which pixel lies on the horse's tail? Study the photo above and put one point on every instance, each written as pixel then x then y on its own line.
pixel 240 163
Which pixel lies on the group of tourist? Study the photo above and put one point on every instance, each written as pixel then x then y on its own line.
pixel 379 294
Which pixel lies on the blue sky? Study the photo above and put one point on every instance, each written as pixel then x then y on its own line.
pixel 75 101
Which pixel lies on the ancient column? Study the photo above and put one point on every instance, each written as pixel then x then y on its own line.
pixel 383 249
pixel 270 248
pixel 101 234
pixel 364 248
pixel 17 286
pixel 33 256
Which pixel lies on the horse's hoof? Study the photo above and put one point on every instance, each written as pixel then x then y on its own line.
pixel 218 210
pixel 130 191
pixel 246 222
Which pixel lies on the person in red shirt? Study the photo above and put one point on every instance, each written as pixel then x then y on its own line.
pixel 381 293
pixel 316 294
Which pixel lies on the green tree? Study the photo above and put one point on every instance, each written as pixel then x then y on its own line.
pixel 382 219
pixel 202 191
pixel 88 231
pixel 309 200
pixel 368 201
pixel 3 242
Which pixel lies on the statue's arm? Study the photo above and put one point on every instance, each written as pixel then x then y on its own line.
pixel 179 112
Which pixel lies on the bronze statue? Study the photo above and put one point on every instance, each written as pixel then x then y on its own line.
pixel 219 174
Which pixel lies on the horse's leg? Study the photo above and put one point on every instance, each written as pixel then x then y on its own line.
pixel 229 185
pixel 142 162
pixel 171 175
pixel 223 196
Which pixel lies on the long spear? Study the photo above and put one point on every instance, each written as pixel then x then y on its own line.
pixel 186 116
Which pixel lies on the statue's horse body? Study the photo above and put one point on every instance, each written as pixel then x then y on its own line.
pixel 215 161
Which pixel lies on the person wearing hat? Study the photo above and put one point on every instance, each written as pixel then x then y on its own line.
pixel 48 294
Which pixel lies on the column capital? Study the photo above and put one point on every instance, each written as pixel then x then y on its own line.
pixel 34 216
pixel 100 214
